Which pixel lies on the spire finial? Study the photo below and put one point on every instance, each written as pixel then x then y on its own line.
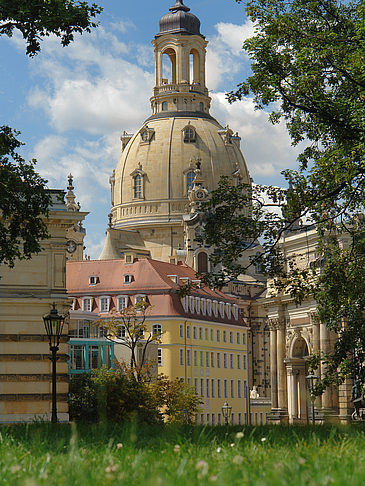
pixel 70 196
pixel 179 5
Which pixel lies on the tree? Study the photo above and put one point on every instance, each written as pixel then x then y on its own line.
pixel 308 65
pixel 178 401
pixel 23 202
pixel 23 196
pixel 38 19
pixel 129 329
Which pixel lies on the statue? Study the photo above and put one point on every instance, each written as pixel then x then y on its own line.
pixel 254 393
pixel 357 398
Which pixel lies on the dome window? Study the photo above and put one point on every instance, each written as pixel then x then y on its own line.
pixel 164 106
pixel 138 186
pixel 138 179
pixel 190 176
pixel 201 106
pixel 147 135
pixel 189 134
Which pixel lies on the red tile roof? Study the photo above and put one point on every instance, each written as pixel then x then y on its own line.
pixel 149 277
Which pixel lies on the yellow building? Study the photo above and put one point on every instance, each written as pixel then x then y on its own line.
pixel 203 337
pixel 27 292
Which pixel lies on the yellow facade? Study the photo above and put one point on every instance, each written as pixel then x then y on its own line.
pixel 217 369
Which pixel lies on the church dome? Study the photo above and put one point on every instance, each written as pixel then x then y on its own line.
pixel 154 186
pixel 179 20
pixel 157 166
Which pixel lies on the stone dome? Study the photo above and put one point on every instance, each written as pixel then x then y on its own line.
pixel 164 153
pixel 179 20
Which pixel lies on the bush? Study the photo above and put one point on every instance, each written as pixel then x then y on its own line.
pixel 109 395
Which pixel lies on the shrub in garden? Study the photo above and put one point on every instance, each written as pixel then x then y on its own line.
pixel 110 395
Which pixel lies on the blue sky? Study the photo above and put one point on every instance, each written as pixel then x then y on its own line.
pixel 71 104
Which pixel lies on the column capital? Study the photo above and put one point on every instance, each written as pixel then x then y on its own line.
pixel 276 323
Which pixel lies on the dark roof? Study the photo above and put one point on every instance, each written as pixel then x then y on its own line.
pixel 179 20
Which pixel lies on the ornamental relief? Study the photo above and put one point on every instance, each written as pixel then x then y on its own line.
pixel 295 333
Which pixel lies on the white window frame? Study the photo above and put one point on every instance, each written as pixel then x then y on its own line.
pixel 191 304
pixel 228 310
pixel 188 357
pixel 93 280
pixel 122 332
pixel 218 335
pixel 203 306
pixel 181 330
pixel 238 338
pixel 218 360
pixel 215 308
pixel 224 336
pixel 221 308
pixel 209 307
pixel 187 332
pixel 159 332
pixel 84 300
pixel 235 311
pixel 197 305
pixel 139 298
pixel 195 333
pixel 231 337
pixel 159 357
pixel 101 298
pixel 119 297
pixel 127 278
pixel 181 356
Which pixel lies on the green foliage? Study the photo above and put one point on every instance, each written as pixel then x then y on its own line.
pixel 131 454
pixel 109 395
pixel 23 202
pixel 177 399
pixel 37 19
pixel 308 70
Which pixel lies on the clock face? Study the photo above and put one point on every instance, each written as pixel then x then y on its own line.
pixel 71 246
pixel 199 194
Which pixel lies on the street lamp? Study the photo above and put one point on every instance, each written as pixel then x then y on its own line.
pixel 226 411
pixel 53 322
pixel 311 379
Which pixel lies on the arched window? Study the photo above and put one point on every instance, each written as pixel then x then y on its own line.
pixel 189 134
pixel 194 65
pixel 190 176
pixel 201 106
pixel 169 66
pixel 164 106
pixel 138 186
pixel 202 262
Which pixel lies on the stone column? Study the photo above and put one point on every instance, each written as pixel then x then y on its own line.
pixel 292 394
pixel 280 355
pixel 273 369
pixel 324 343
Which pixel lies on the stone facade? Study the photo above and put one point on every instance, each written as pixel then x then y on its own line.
pixel 296 334
pixel 27 292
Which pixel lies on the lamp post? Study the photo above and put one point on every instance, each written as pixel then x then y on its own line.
pixel 53 322
pixel 311 378
pixel 226 411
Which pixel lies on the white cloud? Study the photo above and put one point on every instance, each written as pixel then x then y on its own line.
pixel 225 56
pixel 266 147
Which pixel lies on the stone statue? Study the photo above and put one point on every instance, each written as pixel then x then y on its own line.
pixel 254 393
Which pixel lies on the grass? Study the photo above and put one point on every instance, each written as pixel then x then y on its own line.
pixel 45 454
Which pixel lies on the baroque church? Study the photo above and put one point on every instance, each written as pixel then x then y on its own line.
pixel 170 164
pixel 166 167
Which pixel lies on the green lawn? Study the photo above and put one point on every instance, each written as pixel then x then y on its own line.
pixel 42 454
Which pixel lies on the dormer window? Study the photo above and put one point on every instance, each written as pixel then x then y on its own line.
pixel 146 135
pixel 189 134
pixel 93 280
pixel 174 278
pixel 104 304
pixel 140 298
pixel 128 278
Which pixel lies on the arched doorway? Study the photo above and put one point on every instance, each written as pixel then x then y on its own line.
pixel 296 381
